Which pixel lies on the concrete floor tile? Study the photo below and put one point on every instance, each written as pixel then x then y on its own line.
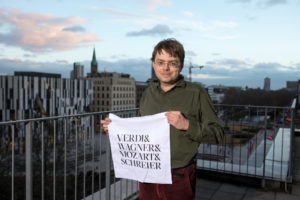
pixel 204 193
pixel 213 185
pixel 225 187
pixel 286 196
pixel 226 196
pixel 256 194
pixel 296 190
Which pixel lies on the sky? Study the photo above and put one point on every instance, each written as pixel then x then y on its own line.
pixel 239 42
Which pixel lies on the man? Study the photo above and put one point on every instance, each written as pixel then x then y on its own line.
pixel 190 114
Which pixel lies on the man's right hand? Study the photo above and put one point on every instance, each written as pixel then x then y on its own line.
pixel 105 124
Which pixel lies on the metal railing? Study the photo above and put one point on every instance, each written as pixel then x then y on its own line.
pixel 68 157
pixel 64 157
pixel 258 143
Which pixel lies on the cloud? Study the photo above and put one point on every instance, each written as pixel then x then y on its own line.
pixel 190 53
pixel 27 55
pixel 74 29
pixel 240 1
pixel 118 12
pixel 223 24
pixel 126 14
pixel 209 76
pixel 245 74
pixel 188 25
pixel 188 13
pixel 263 67
pixel 204 26
pixel 228 64
pixel 251 18
pixel 153 4
pixel 9 66
pixel 220 37
pixel 140 69
pixel 275 2
pixel 262 3
pixel 158 30
pixel 41 33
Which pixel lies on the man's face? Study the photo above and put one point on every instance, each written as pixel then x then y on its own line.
pixel 167 68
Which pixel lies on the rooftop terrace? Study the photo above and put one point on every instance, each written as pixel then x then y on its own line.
pixel 66 157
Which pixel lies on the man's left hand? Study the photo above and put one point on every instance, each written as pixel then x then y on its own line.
pixel 176 119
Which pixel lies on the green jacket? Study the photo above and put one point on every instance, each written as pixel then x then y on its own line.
pixel 194 103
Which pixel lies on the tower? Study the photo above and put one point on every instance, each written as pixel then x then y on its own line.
pixel 94 64
pixel 77 71
pixel 267 84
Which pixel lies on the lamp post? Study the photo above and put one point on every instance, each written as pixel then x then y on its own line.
pixel 190 70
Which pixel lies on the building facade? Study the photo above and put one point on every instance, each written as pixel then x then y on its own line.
pixel 113 91
pixel 292 86
pixel 216 93
pixel 78 71
pixel 32 94
pixel 140 88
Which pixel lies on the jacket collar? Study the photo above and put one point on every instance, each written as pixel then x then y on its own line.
pixel 179 83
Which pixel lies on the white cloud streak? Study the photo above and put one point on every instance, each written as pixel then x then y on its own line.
pixel 188 13
pixel 209 76
pixel 153 4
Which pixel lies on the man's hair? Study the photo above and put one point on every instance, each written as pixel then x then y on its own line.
pixel 172 47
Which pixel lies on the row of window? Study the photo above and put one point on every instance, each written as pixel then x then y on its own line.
pixel 121 102
pixel 114 109
pixel 114 88
pixel 115 95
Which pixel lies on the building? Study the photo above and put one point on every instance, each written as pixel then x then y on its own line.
pixel 217 92
pixel 140 88
pixel 292 86
pixel 267 84
pixel 112 91
pixel 78 71
pixel 34 94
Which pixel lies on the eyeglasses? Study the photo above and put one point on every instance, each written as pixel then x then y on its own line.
pixel 171 64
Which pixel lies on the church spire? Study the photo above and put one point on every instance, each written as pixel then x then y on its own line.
pixel 94 64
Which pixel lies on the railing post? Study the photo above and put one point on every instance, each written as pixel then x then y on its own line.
pixel 107 170
pixel 28 160
pixel 292 139
pixel 13 162
pixel 265 145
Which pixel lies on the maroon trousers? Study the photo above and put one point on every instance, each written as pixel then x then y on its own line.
pixel 182 187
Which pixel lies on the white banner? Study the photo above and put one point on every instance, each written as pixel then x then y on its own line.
pixel 140 148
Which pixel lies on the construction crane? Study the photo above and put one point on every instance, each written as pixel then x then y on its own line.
pixel 190 70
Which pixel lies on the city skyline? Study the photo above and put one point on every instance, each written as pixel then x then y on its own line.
pixel 239 42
